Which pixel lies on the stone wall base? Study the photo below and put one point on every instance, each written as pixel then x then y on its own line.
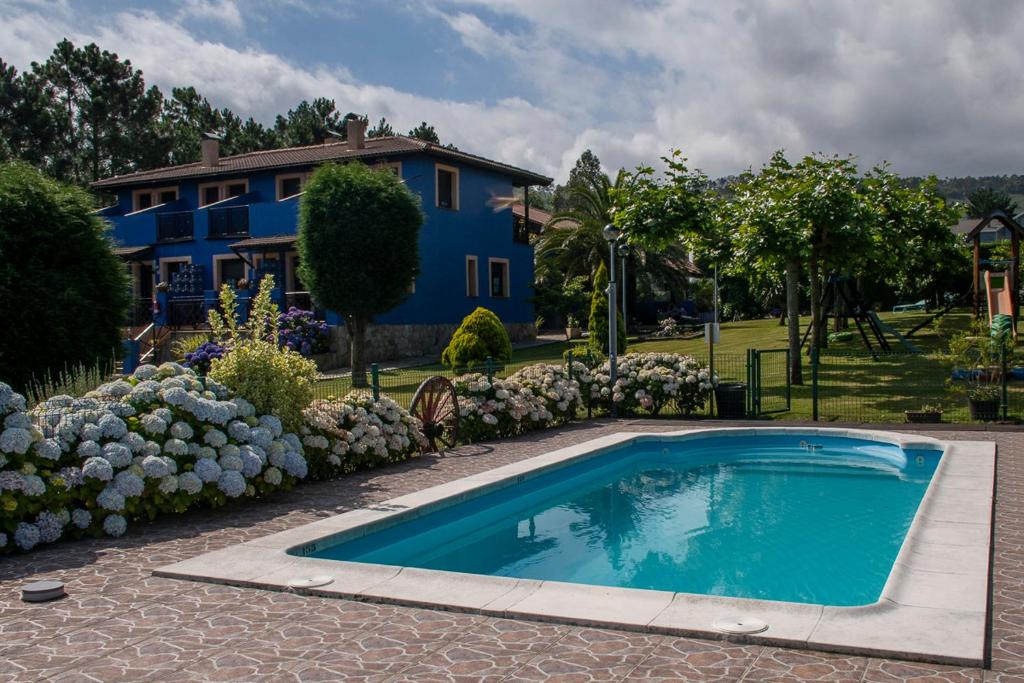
pixel 395 342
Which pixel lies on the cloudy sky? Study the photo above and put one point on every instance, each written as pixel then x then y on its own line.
pixel 933 86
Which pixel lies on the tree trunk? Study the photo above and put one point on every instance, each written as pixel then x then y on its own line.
pixel 792 316
pixel 816 320
pixel 357 348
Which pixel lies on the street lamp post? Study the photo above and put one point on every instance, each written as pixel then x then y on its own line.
pixel 623 253
pixel 611 233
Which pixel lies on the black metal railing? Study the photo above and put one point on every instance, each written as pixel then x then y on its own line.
pixel 173 226
pixel 140 312
pixel 186 311
pixel 229 221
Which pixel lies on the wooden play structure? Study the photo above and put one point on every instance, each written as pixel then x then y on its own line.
pixel 842 300
pixel 1002 287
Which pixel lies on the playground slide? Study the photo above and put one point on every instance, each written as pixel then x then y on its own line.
pixel 889 329
pixel 1000 304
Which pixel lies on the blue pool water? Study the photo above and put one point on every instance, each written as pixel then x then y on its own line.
pixel 741 516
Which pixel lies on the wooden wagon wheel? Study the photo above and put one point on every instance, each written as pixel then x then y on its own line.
pixel 437 407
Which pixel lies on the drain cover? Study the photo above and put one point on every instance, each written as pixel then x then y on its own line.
pixel 740 625
pixel 42 591
pixel 310 582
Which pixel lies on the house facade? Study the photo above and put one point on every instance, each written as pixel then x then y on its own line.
pixel 186 230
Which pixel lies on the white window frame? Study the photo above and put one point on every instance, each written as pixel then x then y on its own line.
pixel 508 277
pixel 473 285
pixel 291 263
pixel 221 186
pixel 218 259
pixel 455 186
pixel 279 183
pixel 154 194
pixel 164 275
pixel 395 166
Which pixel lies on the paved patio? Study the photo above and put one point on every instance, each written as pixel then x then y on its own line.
pixel 121 623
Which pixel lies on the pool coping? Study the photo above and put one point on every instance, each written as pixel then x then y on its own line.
pixel 934 606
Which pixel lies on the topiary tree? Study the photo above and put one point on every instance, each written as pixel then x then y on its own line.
pixel 64 295
pixel 480 336
pixel 598 325
pixel 359 246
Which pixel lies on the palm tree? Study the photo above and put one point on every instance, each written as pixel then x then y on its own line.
pixel 573 245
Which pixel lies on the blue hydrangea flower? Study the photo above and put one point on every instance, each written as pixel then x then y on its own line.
pixel 175 447
pixel 169 484
pixel 129 484
pixel 230 462
pixel 172 466
pixel 164 414
pixel 152 448
pixel 255 450
pixel 15 440
pixel 273 423
pixel 261 436
pixel 110 499
pixel 3 540
pixel 230 449
pixel 194 448
pixel 190 483
pixel 134 442
pixel 91 432
pixel 117 454
pixel 89 449
pixel 33 485
pixel 6 396
pixel 115 525
pixel 18 420
pixel 239 431
pixel 295 465
pixel 181 430
pixel 113 427
pixel 251 464
pixel 244 408
pixel 48 449
pixel 154 467
pixel 26 536
pixel 152 424
pixel 50 525
pixel 98 468
pixel 272 476
pixel 231 483
pixel 293 441
pixel 72 477
pixel 81 518
pixel 207 470
pixel 175 396
pixel 215 438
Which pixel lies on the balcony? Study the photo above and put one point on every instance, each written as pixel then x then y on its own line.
pixel 174 226
pixel 228 221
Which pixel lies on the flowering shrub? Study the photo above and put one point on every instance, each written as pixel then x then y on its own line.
pixel 161 440
pixel 535 397
pixel 650 381
pixel 300 332
pixel 201 358
pixel 356 432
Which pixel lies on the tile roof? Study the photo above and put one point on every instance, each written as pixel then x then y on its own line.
pixel 316 154
pixel 257 243
pixel 132 253
pixel 542 217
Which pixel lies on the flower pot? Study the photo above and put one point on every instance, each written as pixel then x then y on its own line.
pixel 573 332
pixel 923 416
pixel 984 409
pixel 731 400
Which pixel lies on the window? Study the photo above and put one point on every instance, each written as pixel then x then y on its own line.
pixel 147 199
pixel 211 193
pixel 472 277
pixel 289 185
pixel 447 187
pixel 393 166
pixel 228 270
pixel 499 277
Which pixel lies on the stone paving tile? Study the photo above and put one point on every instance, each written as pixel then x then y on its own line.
pixel 122 623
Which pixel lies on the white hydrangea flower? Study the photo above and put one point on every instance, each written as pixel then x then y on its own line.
pixel 48 449
pixel 215 438
pixel 190 483
pixel 181 430
pixel 115 525
pixel 175 447
pixel 168 484
pixel 15 440
pixel 98 468
pixel 272 476
pixel 153 424
pixel 117 454
pixel 154 467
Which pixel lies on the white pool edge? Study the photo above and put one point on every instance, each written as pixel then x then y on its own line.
pixel 933 606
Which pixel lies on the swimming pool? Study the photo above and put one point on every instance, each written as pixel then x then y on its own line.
pixel 775 517
pixel 846 540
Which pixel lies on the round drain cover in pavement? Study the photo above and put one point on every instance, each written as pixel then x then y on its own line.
pixel 740 625
pixel 310 582
pixel 42 591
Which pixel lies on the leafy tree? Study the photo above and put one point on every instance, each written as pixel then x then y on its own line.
pixel 348 213
pixel 63 293
pixel 26 127
pixel 425 132
pixel 480 336
pixel 310 123
pixel 383 129
pixel 187 115
pixel 598 323
pixel 985 200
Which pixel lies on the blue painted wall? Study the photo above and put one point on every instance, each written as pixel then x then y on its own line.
pixel 446 238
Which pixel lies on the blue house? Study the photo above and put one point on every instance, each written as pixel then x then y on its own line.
pixel 185 230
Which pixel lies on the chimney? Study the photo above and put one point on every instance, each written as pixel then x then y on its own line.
pixel 355 130
pixel 211 149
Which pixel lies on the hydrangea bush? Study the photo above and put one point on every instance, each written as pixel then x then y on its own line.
pixel 159 441
pixel 535 397
pixel 649 382
pixel 201 358
pixel 344 435
pixel 299 331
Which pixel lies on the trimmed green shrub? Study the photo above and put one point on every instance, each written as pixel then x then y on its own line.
pixel 598 325
pixel 481 335
pixel 64 294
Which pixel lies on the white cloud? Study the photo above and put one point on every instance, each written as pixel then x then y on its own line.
pixel 225 12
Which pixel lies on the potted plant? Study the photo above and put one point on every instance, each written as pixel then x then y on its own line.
pixel 977 359
pixel 572 327
pixel 926 414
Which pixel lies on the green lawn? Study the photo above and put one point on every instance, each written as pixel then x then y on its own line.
pixel 852 387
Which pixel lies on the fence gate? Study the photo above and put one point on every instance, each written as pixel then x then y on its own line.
pixel 768 380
